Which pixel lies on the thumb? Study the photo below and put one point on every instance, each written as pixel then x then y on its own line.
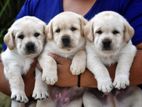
pixel 59 59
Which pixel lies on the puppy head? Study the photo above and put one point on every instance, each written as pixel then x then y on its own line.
pixel 109 31
pixel 66 30
pixel 26 35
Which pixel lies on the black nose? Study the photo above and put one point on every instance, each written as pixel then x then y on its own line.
pixel 30 47
pixel 106 44
pixel 66 40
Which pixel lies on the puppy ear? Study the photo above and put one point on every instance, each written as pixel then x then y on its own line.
pixel 83 22
pixel 88 31
pixel 9 40
pixel 49 31
pixel 128 31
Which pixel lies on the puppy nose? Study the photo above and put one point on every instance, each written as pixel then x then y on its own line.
pixel 66 40
pixel 106 44
pixel 30 47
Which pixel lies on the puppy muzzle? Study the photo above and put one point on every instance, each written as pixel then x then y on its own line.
pixel 30 48
pixel 66 41
pixel 106 44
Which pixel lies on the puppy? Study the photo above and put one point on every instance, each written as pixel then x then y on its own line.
pixel 109 42
pixel 65 38
pixel 25 41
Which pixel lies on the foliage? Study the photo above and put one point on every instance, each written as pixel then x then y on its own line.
pixel 8 11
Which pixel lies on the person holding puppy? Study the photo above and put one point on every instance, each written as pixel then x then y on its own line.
pixel 47 9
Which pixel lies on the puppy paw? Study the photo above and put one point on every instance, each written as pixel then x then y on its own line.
pixel 77 68
pixel 121 82
pixel 50 79
pixel 105 85
pixel 19 96
pixel 40 93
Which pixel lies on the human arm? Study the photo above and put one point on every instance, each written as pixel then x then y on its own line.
pixel 87 79
pixel 66 79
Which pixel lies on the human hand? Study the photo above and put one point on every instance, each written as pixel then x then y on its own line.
pixel 66 79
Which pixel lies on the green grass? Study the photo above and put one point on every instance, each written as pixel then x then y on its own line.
pixel 4 100
pixel 8 11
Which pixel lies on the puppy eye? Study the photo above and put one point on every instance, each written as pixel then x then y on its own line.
pixel 57 30
pixel 73 29
pixel 99 32
pixel 36 34
pixel 21 36
pixel 115 32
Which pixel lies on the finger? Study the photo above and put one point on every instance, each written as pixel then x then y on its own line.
pixel 59 59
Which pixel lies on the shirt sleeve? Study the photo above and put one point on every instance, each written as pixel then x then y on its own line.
pixel 133 13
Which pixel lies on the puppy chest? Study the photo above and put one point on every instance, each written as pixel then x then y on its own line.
pixel 27 65
pixel 109 60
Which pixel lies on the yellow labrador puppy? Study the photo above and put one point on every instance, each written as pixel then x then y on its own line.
pixel 25 41
pixel 109 41
pixel 65 38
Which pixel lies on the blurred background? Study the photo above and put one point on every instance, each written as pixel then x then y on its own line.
pixel 8 11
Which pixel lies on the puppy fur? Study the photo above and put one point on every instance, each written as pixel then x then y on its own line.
pixel 25 41
pixel 65 37
pixel 109 41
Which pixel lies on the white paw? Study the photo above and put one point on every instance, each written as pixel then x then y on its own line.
pixel 121 82
pixel 105 85
pixel 50 79
pixel 77 68
pixel 40 93
pixel 19 96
